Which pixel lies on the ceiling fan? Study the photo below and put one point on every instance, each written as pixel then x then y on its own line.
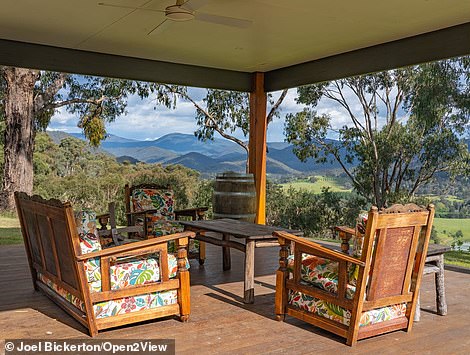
pixel 185 10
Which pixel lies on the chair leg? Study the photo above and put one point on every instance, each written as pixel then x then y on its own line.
pixel 281 295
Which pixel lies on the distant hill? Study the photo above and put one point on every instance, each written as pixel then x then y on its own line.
pixel 145 154
pixel 205 164
pixel 57 136
pixel 207 157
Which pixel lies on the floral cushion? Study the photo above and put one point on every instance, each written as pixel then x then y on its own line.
pixel 153 199
pixel 341 315
pixel 134 304
pixel 87 231
pixel 136 271
pixel 89 242
pixel 321 273
pixel 117 306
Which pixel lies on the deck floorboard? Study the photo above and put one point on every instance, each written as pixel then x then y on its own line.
pixel 221 323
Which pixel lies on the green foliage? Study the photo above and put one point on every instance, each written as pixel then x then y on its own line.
pixel 203 196
pixel 76 172
pixel 434 236
pixel 314 214
pixel 457 241
pixel 395 158
pixel 229 110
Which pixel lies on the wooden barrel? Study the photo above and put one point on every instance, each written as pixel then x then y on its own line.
pixel 235 196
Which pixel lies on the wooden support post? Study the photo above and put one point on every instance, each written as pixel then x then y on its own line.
pixel 257 144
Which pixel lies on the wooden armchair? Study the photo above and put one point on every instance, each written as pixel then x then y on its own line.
pixel 101 288
pixel 357 297
pixel 150 213
pixel 152 206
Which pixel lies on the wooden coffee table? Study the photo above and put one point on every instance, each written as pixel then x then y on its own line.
pixel 247 236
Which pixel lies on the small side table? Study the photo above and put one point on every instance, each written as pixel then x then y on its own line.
pixel 435 265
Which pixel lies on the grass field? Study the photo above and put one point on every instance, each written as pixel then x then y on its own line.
pixel 335 184
pixel 457 258
pixel 444 226
pixel 10 232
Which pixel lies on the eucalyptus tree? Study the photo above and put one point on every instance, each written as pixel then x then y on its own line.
pixel 403 127
pixel 28 100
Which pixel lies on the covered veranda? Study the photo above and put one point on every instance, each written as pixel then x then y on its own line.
pixel 267 46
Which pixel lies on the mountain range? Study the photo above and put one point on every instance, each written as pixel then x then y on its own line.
pixel 207 157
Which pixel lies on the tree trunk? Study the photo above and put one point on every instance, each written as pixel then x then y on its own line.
pixel 19 134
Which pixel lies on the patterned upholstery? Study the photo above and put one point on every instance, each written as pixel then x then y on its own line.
pixel 127 272
pixel 162 222
pixel 339 314
pixel 323 273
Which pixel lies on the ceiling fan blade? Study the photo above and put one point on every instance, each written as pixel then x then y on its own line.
pixel 130 7
pixel 223 20
pixel 160 28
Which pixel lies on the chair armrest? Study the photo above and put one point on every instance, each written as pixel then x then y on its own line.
pixel 346 230
pixel 312 247
pixel 136 246
pixel 195 212
pixel 102 216
pixel 142 212
pixel 130 229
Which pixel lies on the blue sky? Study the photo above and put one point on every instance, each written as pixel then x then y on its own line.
pixel 144 121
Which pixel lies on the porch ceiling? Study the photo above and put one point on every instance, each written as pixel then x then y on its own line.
pixel 279 36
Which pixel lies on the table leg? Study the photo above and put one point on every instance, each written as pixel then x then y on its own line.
pixel 440 288
pixel 418 308
pixel 202 252
pixel 250 272
pixel 226 260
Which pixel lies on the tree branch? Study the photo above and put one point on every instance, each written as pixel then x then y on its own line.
pixel 210 121
pixel 41 100
pixel 275 107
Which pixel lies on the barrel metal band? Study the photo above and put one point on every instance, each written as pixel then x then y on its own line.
pixel 222 193
pixel 233 180
pixel 225 215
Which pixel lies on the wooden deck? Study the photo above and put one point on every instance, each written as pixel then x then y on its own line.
pixel 221 323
